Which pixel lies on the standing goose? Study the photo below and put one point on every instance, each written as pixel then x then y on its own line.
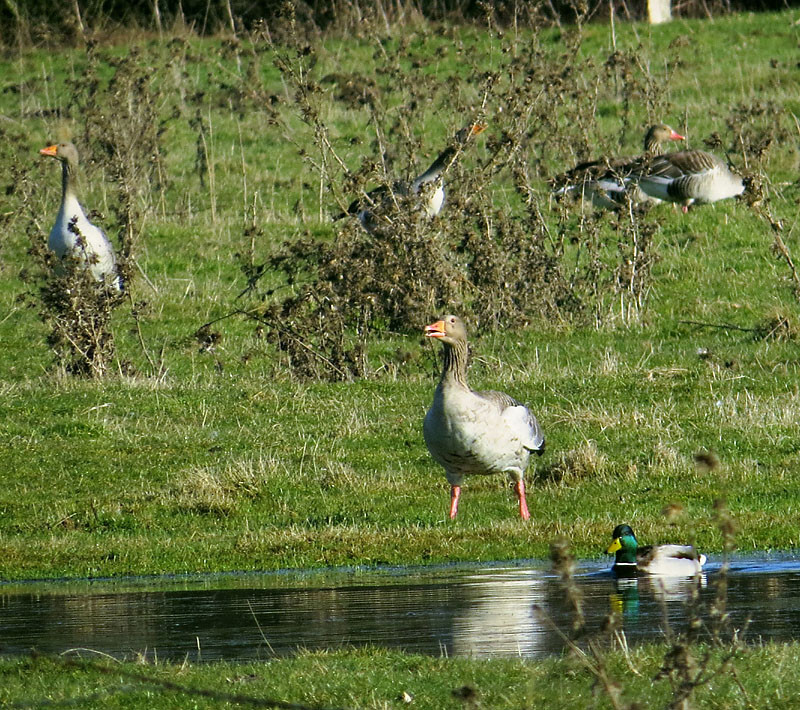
pixel 675 560
pixel 690 177
pixel 429 186
pixel 607 181
pixel 72 232
pixel 470 432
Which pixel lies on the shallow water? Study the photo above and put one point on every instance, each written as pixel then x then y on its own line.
pixel 459 610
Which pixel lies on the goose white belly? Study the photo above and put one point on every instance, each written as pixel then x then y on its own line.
pixel 703 187
pixel 95 249
pixel 436 202
pixel 467 434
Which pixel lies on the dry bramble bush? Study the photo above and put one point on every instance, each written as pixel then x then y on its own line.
pixel 491 255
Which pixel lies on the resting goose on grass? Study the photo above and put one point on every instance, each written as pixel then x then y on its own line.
pixel 675 560
pixel 73 234
pixel 690 177
pixel 429 186
pixel 607 181
pixel 469 432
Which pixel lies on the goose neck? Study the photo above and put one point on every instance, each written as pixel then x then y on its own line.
pixel 455 364
pixel 68 186
pixel 652 145
pixel 438 165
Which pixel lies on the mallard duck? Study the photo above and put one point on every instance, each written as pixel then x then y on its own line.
pixel 72 232
pixel 607 181
pixel 429 186
pixel 675 560
pixel 469 432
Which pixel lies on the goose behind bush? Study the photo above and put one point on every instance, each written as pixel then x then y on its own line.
pixel 469 432
pixel 73 234
pixel 429 186
pixel 607 181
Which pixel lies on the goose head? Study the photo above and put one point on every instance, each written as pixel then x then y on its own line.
pixel 450 330
pixel 659 133
pixel 469 132
pixel 65 152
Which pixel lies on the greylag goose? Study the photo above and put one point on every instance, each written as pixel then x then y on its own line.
pixel 607 181
pixel 429 186
pixel 689 177
pixel 675 560
pixel 72 232
pixel 469 432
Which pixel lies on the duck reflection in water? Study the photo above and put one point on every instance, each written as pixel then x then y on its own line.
pixel 630 590
pixel 667 573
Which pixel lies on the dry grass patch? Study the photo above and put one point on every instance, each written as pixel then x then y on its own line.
pixel 585 461
pixel 748 411
pixel 209 489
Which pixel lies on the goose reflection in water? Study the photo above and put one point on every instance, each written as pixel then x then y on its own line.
pixel 501 618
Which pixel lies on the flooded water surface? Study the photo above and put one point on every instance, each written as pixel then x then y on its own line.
pixel 508 610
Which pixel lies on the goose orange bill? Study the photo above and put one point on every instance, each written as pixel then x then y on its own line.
pixel 51 150
pixel 675 136
pixel 435 330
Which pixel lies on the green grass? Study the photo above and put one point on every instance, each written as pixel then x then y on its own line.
pixel 218 460
pixel 373 678
pixel 189 459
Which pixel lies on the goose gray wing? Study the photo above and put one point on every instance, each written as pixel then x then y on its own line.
pixel 683 162
pixel 519 418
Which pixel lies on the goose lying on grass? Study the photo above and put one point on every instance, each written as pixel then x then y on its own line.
pixel 470 432
pixel 73 234
pixel 675 560
pixel 429 186
pixel 607 181
pixel 690 177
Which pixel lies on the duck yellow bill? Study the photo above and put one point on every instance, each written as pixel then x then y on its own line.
pixel 614 546
pixel 51 150
pixel 435 330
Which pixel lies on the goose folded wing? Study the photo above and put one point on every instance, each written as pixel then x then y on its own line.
pixel 518 418
pixel 684 162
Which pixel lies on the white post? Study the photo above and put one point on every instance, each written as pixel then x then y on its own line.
pixel 658 11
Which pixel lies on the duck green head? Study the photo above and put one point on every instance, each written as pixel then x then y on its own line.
pixel 624 544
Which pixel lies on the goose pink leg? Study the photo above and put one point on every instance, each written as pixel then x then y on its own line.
pixel 455 494
pixel 523 504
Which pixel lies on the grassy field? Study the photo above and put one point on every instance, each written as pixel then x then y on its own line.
pixel 209 452
pixel 660 336
pixel 373 678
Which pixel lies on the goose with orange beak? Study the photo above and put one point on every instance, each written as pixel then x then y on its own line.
pixel 476 433
pixel 73 234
